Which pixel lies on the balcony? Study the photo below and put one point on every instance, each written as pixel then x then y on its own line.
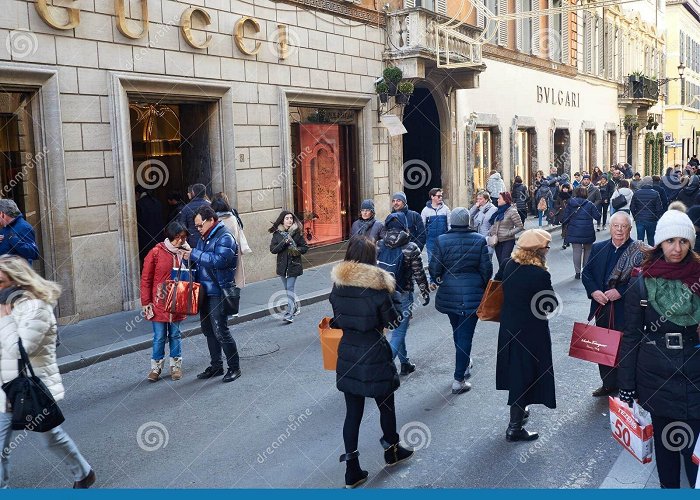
pixel 639 90
pixel 420 38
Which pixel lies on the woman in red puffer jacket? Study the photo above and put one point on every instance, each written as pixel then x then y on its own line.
pixel 157 269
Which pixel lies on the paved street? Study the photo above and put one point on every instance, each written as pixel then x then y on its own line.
pixel 280 424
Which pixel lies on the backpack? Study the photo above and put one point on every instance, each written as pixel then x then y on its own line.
pixel 392 261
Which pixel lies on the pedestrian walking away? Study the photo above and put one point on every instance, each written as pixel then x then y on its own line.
pixel 659 351
pixel 414 222
pixel 157 269
pixel 367 225
pixel 622 193
pixel 647 209
pixel 524 356
pixel 605 278
pixel 694 215
pixel 505 224
pixel 520 196
pixel 462 266
pixel 288 244
pixel 480 215
pixel 26 313
pixel 401 257
pixel 495 185
pixel 363 306
pixel 561 201
pixel 436 218
pixel 215 257
pixel 579 217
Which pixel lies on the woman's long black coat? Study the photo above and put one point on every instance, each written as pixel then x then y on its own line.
pixel 524 359
pixel 362 307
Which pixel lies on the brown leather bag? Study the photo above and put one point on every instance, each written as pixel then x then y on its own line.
pixel 491 303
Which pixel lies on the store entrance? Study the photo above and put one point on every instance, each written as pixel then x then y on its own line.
pixel 562 150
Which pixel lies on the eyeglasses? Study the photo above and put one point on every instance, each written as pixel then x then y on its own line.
pixel 199 226
pixel 437 195
pixel 620 226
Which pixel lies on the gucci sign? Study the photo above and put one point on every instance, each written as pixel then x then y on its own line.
pixel 44 11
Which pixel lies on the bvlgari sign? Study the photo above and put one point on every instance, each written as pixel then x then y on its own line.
pixel 550 95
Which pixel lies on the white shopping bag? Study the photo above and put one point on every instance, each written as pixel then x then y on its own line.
pixel 696 461
pixel 631 427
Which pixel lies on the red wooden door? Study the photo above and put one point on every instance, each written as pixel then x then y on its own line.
pixel 320 182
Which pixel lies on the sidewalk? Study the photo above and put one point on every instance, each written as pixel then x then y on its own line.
pixel 93 340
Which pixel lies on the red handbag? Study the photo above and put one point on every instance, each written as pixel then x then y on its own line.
pixel 182 297
pixel 596 343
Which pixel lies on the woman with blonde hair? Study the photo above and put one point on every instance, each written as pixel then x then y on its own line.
pixel 26 313
pixel 524 359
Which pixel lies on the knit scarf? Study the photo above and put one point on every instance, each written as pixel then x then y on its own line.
pixel 687 272
pixel 500 213
pixel 632 257
pixel 366 225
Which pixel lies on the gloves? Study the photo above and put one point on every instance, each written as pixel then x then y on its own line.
pixel 628 396
pixel 426 299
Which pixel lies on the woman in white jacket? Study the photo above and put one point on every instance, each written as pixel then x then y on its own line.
pixel 27 313
pixel 222 207
pixel 623 189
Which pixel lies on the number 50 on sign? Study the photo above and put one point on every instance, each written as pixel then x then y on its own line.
pixel 632 429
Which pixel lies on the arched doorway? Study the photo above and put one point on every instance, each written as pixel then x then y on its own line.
pixel 422 169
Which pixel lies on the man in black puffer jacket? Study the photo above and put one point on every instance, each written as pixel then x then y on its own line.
pixel 405 271
pixel 216 260
pixel 188 212
pixel 646 209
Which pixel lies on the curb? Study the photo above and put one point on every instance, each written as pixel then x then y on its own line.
pixel 87 358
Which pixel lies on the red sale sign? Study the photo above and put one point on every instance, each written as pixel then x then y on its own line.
pixel 632 429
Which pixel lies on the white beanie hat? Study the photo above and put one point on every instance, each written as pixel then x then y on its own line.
pixel 675 224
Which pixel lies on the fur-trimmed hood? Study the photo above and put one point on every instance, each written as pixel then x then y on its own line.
pixel 349 273
pixel 294 228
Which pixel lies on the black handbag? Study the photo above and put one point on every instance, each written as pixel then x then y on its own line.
pixel 33 406
pixel 231 296
pixel 619 202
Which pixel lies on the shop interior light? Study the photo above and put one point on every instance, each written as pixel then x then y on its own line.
pixel 158 126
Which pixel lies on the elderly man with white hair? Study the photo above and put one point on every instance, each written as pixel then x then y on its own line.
pixel 16 234
pixel 606 276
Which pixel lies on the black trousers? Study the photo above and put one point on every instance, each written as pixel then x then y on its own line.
pixel 673 432
pixel 608 374
pixel 503 251
pixel 604 213
pixel 523 215
pixel 214 323
pixel 355 408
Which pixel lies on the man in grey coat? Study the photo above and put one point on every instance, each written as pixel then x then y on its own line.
pixel 593 195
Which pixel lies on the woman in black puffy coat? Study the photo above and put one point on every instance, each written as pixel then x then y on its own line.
pixel 363 306
pixel 289 245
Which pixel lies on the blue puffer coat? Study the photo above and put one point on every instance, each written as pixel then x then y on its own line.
pixel 462 266
pixel 579 214
pixel 646 205
pixel 216 256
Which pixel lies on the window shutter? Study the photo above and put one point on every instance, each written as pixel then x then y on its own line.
pixel 588 41
pixel 480 16
pixel 441 6
pixel 620 56
pixel 565 36
pixel 550 27
pixel 681 52
pixel 536 29
pixel 503 25
pixel 687 51
pixel 519 26
pixel 610 48
pixel 601 46
pixel 409 4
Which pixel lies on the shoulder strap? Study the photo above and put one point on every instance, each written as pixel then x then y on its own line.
pixel 643 298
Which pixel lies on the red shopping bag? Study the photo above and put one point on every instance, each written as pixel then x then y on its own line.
pixel 632 429
pixel 596 343
pixel 696 455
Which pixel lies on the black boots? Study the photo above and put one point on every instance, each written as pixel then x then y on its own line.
pixel 354 475
pixel 395 453
pixel 515 431
pixel 407 368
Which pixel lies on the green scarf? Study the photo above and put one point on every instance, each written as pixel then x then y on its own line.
pixel 674 301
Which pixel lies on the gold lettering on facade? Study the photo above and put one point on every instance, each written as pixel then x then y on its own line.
pixel 186 26
pixel 73 16
pixel 121 20
pixel 239 31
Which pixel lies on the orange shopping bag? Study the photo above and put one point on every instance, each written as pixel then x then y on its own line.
pixel 330 340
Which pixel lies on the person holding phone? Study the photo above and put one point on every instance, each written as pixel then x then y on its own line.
pixel 157 269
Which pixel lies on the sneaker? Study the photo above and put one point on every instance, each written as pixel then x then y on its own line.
pixel 460 387
pixel 297 309
pixel 407 368
pixel 86 482
pixel 231 375
pixel 468 373
pixel 211 372
pixel 288 319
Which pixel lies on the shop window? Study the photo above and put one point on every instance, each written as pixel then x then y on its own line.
pixel 589 159
pixel 612 149
pixel 522 157
pixel 19 162
pixel 483 154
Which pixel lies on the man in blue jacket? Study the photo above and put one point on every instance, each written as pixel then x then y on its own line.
pixel 436 219
pixel 216 259
pixel 606 284
pixel 17 235
pixel 646 209
pixel 416 228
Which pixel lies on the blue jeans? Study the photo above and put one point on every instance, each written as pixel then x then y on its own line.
pixel 398 334
pixel 172 332
pixel 57 440
pixel 288 284
pixel 214 321
pixel 540 213
pixel 462 332
pixel 647 227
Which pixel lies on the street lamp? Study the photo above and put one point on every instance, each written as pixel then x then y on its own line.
pixel 681 70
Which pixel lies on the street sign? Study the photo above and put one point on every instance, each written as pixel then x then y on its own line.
pixel 668 137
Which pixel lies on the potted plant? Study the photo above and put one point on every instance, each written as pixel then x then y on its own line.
pixel 405 89
pixel 392 77
pixel 383 91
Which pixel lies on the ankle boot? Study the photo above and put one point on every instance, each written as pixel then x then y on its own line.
pixel 395 453
pixel 176 368
pixel 156 369
pixel 354 475
pixel 515 431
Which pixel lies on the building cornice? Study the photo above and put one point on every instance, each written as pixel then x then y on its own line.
pixel 349 11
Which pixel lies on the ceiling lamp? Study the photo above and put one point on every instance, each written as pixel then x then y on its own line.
pixel 158 126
